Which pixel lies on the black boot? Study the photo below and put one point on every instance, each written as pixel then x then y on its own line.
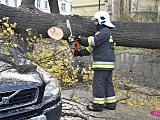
pixel 110 106
pixel 95 107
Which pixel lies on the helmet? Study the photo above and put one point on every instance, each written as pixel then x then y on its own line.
pixel 103 18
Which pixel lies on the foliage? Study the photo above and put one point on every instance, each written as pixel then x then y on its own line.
pixel 7 29
pixel 56 57
pixel 7 33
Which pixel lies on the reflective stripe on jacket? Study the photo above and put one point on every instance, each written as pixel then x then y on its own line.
pixel 101 46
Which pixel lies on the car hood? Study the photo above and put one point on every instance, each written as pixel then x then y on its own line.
pixel 11 76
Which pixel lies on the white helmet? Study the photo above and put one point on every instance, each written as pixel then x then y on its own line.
pixel 103 18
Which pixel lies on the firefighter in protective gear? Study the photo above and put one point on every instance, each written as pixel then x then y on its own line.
pixel 101 45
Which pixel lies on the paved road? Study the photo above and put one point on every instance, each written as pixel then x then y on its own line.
pixel 83 95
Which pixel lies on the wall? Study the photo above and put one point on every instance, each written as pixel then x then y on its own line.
pixel 11 3
pixel 87 7
pixel 68 7
pixel 137 68
pixel 133 7
pixel 152 3
pixel 42 4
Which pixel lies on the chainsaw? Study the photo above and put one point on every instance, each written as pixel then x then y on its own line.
pixel 72 40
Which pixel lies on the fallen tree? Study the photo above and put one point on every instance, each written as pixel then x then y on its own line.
pixel 145 35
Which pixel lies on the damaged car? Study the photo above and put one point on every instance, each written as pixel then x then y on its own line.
pixel 27 91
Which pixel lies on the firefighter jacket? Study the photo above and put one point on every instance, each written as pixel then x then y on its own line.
pixel 101 45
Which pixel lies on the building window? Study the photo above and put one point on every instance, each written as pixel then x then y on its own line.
pixel 38 3
pixel 63 7
pixel 6 2
pixel 46 4
pixel 15 2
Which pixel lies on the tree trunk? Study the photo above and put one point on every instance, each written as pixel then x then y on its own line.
pixel 28 4
pixel 54 6
pixel 40 21
pixel 144 35
pixel 131 34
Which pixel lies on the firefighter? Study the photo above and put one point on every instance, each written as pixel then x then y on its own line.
pixel 101 45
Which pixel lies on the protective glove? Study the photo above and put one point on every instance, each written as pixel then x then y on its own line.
pixel 77 53
pixel 83 41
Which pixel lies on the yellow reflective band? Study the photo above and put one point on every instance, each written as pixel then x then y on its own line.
pixel 103 63
pixel 98 102
pixel 111 40
pixel 89 41
pixel 102 66
pixel 89 50
pixel 111 101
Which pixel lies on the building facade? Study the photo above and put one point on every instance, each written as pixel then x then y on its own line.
pixel 87 7
pixel 136 10
pixel 64 5
pixel 142 10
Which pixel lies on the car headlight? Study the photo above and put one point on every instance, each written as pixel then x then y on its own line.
pixel 52 89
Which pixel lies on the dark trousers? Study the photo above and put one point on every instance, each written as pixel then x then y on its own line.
pixel 102 84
